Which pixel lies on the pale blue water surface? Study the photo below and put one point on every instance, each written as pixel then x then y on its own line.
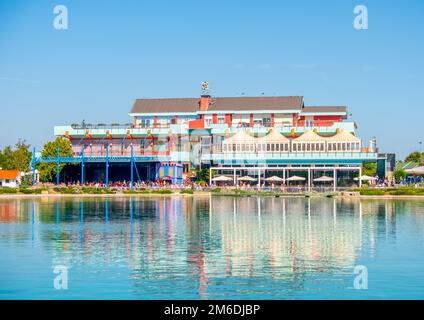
pixel 211 247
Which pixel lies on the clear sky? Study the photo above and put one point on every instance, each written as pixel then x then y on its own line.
pixel 116 51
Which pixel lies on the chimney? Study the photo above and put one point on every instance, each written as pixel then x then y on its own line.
pixel 205 101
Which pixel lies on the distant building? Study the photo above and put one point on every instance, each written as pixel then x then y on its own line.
pixel 10 178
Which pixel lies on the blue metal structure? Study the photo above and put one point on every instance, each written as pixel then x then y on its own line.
pixel 82 166
pixel 58 167
pixel 107 167
pixel 132 167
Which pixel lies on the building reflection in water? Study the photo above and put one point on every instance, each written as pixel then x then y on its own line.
pixel 210 237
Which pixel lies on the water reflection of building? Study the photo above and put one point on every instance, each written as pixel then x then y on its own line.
pixel 9 211
pixel 211 238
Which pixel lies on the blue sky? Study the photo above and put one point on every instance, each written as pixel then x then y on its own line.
pixel 117 51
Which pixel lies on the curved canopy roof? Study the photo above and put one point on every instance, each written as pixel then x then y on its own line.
pixel 344 136
pixel 240 137
pixel 273 136
pixel 310 136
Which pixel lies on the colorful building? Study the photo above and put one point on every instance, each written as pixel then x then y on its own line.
pixel 10 178
pixel 237 135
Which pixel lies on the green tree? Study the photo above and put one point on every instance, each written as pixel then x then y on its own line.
pixel 202 174
pixel 370 169
pixel 6 158
pixel 48 170
pixel 22 156
pixel 399 173
pixel 415 157
pixel 16 159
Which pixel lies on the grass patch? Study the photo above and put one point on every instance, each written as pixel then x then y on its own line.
pixel 8 190
pixel 404 191
pixel 186 191
pixel 30 191
pixel 162 191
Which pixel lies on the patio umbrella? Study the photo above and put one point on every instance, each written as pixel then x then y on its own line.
pixel 274 179
pixel 416 170
pixel 324 179
pixel 366 178
pixel 296 178
pixel 246 178
pixel 222 179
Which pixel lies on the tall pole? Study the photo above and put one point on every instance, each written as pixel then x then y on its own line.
pixel 335 179
pixel 82 166
pixel 132 169
pixel 259 178
pixel 309 179
pixel 107 166
pixel 58 167
pixel 33 167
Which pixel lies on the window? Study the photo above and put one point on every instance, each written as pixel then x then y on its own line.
pixel 221 119
pixel 268 148
pixel 208 121
pixel 294 147
pixel 238 147
pixel 234 147
pixel 313 147
pixel 339 146
pixel 348 146
pixel 224 147
pixel 277 147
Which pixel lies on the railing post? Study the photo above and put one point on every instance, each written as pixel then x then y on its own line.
pixel 58 167
pixel 132 169
pixel 107 166
pixel 82 166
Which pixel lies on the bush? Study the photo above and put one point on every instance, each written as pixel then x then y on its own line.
pixel 405 191
pixel 162 191
pixel 8 190
pixel 186 191
pixel 93 190
pixel 30 191
pixel 142 191
pixel 68 190
pixel 216 190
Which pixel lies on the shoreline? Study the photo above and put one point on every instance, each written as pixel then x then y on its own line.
pixel 206 194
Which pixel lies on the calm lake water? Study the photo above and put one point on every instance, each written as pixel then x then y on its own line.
pixel 211 248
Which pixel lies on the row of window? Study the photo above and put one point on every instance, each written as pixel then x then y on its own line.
pixel 296 147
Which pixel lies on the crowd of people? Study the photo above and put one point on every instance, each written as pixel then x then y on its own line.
pixel 188 184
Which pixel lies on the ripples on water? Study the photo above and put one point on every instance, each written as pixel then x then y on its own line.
pixel 211 248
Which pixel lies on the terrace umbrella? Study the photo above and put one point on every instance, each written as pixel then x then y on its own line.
pixel 366 178
pixel 416 170
pixel 222 179
pixel 296 178
pixel 247 179
pixel 274 179
pixel 324 179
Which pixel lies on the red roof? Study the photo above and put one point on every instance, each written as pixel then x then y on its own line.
pixel 9 174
